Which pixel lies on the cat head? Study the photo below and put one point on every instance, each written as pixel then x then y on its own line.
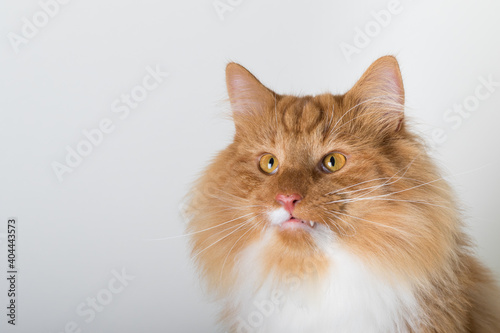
pixel 307 174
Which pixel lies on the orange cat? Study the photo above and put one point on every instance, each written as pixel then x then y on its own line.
pixel 326 214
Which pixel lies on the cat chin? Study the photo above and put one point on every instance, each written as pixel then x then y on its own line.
pixel 316 291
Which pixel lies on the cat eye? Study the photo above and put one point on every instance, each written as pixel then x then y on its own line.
pixel 268 163
pixel 333 162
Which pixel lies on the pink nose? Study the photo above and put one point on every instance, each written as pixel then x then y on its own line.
pixel 288 201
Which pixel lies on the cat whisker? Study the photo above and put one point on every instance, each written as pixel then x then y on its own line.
pixel 375 187
pixel 410 188
pixel 386 109
pixel 350 225
pixel 370 187
pixel 237 226
pixel 386 183
pixel 275 110
pixel 337 226
pixel 199 231
pixel 233 203
pixel 232 247
pixel 399 200
pixel 327 225
pixel 239 207
pixel 233 195
pixel 354 107
pixel 227 200
pixel 329 118
pixel 240 225
pixel 430 182
pixel 406 168
pixel 378 224
pixel 363 182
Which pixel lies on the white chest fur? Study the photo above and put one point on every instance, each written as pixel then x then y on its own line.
pixel 350 299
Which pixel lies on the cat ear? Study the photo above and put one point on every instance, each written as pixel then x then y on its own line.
pixel 247 95
pixel 379 94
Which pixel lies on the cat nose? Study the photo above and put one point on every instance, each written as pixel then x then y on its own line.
pixel 288 201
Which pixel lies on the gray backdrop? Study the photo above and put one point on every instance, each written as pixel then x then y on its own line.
pixel 99 144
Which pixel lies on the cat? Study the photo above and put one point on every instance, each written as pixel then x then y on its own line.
pixel 326 214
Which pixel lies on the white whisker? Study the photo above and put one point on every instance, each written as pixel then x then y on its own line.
pixel 199 231
pixel 347 223
pixel 246 232
pixel 355 106
pixel 241 225
pixel 376 223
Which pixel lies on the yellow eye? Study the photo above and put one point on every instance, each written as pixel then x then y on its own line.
pixel 333 162
pixel 268 163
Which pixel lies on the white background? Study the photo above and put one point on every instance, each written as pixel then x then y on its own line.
pixel 64 80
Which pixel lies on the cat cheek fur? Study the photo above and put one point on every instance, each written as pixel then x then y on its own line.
pixel 387 252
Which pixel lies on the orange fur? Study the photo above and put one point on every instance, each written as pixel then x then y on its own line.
pixel 407 227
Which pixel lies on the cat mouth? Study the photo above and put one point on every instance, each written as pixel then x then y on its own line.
pixel 286 221
pixel 295 223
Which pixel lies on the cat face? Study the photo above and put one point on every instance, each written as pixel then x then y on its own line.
pixel 314 172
